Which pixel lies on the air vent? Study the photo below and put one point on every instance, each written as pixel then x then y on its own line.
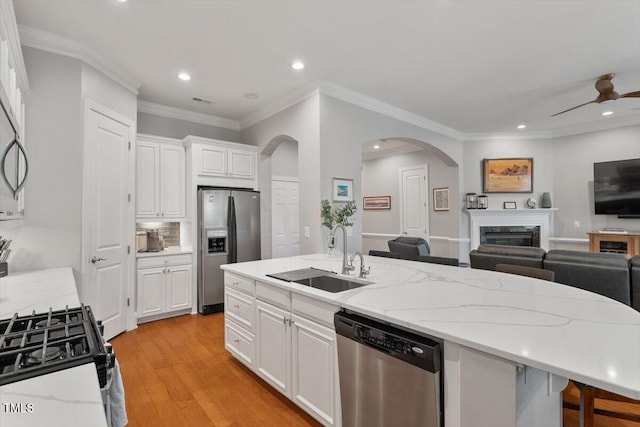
pixel 205 101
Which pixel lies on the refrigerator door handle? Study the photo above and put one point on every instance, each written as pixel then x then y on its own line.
pixel 233 242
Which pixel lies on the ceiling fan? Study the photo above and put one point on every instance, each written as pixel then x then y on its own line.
pixel 604 86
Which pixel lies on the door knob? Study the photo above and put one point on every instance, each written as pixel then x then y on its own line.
pixel 94 259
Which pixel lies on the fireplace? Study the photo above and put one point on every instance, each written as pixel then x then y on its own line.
pixel 511 235
pixel 515 226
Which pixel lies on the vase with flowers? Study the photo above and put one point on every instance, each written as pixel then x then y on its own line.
pixel 331 217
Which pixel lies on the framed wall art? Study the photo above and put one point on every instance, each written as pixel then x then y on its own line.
pixel 342 190
pixel 510 205
pixel 376 202
pixel 441 199
pixel 511 175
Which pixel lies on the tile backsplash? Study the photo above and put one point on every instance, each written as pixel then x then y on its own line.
pixel 170 231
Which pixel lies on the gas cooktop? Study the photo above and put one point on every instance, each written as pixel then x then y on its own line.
pixel 42 343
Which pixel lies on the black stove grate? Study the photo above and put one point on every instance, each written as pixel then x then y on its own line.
pixel 42 343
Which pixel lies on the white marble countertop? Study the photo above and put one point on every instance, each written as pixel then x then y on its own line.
pixel 545 325
pixel 70 397
pixel 171 250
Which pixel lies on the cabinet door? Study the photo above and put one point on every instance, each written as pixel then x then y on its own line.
pixel 151 291
pixel 273 346
pixel 212 162
pixel 313 369
pixel 178 287
pixel 241 163
pixel 173 181
pixel 147 179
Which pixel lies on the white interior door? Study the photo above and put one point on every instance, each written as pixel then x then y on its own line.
pixel 285 223
pixel 414 219
pixel 107 212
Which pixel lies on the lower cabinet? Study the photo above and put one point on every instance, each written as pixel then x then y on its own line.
pixel 295 355
pixel 163 288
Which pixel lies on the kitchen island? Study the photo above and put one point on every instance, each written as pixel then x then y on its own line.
pixel 70 397
pixel 522 335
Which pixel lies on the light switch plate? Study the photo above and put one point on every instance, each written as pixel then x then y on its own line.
pixel 307 232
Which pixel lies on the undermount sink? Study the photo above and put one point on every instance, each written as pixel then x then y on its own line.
pixel 332 283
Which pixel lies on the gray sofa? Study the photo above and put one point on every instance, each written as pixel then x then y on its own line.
pixel 419 258
pixel 613 275
pixel 486 257
pixel 409 246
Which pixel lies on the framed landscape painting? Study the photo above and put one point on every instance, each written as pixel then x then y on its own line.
pixel 441 199
pixel 376 202
pixel 513 175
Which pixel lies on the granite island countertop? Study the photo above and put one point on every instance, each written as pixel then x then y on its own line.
pixel 70 397
pixel 556 328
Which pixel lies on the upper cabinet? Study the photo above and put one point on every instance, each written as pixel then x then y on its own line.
pixel 160 177
pixel 222 163
pixel 14 165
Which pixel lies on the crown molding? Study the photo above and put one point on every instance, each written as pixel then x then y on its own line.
pixel 9 28
pixel 188 115
pixel 608 123
pixel 507 136
pixel 60 45
pixel 279 104
pixel 377 106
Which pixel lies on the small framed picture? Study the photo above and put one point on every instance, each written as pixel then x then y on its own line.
pixel 342 190
pixel 510 205
pixel 441 199
pixel 376 202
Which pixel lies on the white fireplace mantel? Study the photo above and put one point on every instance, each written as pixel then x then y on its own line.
pixel 511 217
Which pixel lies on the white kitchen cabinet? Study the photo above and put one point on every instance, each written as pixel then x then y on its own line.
pixel 163 286
pixel 285 339
pixel 160 178
pixel 273 346
pixel 222 163
pixel 314 381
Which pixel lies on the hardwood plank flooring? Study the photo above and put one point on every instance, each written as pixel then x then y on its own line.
pixel 176 372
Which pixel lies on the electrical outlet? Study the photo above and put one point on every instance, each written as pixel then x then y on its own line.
pixel 576 224
pixel 349 231
pixel 307 231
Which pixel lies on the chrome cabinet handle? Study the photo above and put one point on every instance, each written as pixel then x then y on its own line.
pixel 19 185
pixel 236 340
pixel 94 259
pixel 236 306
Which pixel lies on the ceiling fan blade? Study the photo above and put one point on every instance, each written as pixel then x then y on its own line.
pixel 577 106
pixel 635 94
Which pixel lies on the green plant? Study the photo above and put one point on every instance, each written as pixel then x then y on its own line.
pixel 339 216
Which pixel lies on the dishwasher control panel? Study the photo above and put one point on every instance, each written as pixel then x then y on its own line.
pixel 418 350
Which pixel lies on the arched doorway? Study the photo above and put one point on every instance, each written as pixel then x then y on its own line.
pixel 284 196
pixel 408 170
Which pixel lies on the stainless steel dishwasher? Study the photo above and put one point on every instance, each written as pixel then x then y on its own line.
pixel 388 377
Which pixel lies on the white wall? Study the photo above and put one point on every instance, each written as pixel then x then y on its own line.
pixel 175 128
pixel 284 160
pixel 572 192
pixel 345 127
pixel 299 122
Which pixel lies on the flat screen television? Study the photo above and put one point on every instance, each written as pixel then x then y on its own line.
pixel 616 187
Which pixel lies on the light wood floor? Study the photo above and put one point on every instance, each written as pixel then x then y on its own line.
pixel 176 372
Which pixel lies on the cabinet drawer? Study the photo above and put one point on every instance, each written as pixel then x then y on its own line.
pixel 239 307
pixel 239 283
pixel 164 261
pixel 313 309
pixel 274 295
pixel 239 342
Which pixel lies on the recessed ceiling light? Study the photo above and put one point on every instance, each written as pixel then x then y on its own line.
pixel 607 113
pixel 376 147
pixel 122 1
pixel 522 126
pixel 251 95
pixel 297 65
pixel 184 76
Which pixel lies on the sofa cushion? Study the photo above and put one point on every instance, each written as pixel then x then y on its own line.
pixel 486 257
pixel 606 274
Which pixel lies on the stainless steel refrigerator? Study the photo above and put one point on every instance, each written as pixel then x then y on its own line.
pixel 229 231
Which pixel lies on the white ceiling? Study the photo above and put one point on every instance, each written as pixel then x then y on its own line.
pixel 475 66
